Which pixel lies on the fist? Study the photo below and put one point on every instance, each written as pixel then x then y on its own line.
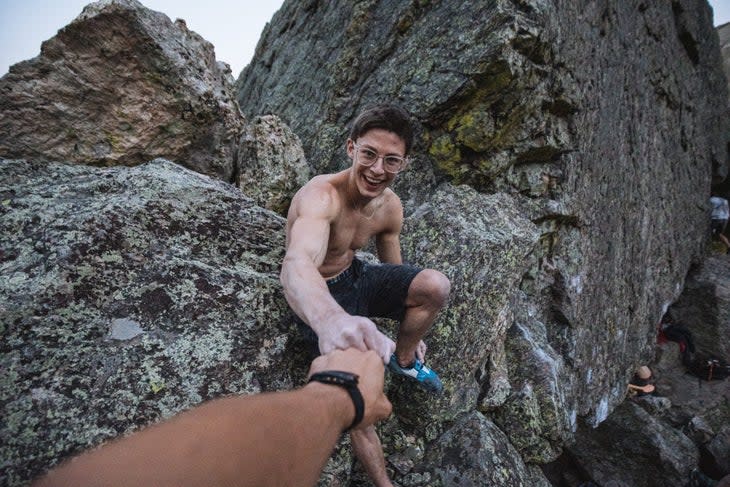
pixel 370 368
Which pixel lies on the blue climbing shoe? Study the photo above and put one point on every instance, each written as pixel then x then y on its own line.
pixel 426 378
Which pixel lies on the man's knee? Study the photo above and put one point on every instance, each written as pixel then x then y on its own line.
pixel 433 286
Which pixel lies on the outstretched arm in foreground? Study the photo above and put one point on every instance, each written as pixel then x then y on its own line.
pixel 272 439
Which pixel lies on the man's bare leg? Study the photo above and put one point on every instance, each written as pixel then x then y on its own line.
pixel 724 240
pixel 427 295
pixel 369 451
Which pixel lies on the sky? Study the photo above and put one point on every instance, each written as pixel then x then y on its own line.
pixel 233 26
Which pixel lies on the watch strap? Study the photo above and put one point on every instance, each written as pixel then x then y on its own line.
pixel 347 381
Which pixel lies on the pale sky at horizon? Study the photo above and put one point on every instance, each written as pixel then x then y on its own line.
pixel 232 26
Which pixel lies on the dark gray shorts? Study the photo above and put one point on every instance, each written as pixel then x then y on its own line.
pixel 717 226
pixel 371 290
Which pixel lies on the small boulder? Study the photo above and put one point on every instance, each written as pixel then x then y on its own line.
pixel 271 163
pixel 121 85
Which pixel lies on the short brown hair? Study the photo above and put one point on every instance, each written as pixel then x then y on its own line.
pixel 387 117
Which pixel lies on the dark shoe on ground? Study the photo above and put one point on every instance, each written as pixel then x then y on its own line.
pixel 643 387
pixel 643 390
pixel 418 371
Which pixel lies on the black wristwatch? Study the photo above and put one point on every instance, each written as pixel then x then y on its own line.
pixel 347 381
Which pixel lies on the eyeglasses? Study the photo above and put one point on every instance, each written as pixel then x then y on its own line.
pixel 367 157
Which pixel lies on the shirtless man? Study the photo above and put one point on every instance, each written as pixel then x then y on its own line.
pixel 331 217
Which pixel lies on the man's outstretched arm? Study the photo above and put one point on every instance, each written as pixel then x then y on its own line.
pixel 272 439
pixel 305 289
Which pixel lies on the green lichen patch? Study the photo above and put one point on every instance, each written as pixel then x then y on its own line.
pixel 187 259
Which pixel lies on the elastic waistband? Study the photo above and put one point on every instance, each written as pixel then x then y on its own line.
pixel 340 277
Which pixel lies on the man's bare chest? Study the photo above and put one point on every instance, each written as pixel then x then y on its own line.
pixel 351 233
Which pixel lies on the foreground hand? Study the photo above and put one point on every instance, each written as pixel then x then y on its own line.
pixel 370 368
pixel 347 331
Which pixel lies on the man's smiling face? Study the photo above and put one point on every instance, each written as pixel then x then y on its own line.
pixel 371 181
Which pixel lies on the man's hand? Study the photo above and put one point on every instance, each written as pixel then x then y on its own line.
pixel 347 331
pixel 370 368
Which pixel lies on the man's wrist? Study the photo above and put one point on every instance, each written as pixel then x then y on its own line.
pixel 335 400
pixel 327 316
pixel 322 322
pixel 347 381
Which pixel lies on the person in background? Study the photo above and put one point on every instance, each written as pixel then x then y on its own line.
pixel 270 439
pixel 719 217
pixel 642 382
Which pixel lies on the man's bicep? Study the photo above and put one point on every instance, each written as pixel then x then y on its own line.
pixel 310 217
pixel 388 246
pixel 308 239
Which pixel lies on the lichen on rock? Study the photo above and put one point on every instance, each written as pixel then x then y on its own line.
pixel 136 293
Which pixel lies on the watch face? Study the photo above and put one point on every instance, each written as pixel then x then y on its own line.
pixel 346 376
pixel 336 377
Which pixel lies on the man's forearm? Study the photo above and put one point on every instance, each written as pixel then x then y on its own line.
pixel 335 328
pixel 306 292
pixel 279 438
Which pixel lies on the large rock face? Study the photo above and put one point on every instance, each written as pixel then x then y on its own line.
pixel 476 452
pixel 635 440
pixel 127 295
pixel 122 84
pixel 482 244
pixel 603 123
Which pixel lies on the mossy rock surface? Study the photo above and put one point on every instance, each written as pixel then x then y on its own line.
pixel 128 295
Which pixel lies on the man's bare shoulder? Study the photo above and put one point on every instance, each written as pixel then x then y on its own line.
pixel 392 204
pixel 322 182
pixel 391 199
pixel 320 196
